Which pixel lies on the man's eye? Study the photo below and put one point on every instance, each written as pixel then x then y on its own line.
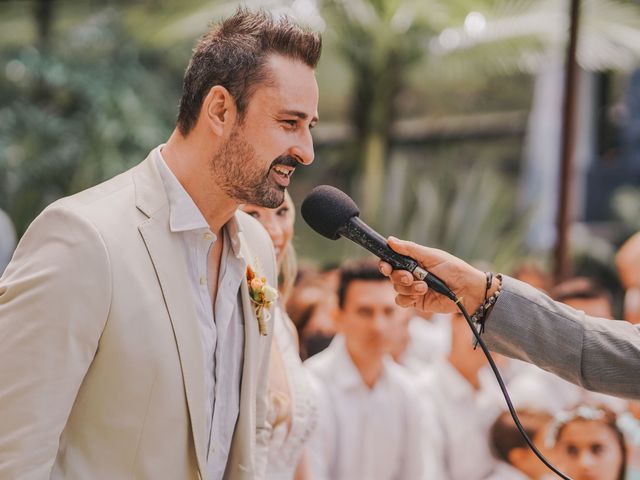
pixel 282 212
pixel 253 214
pixel 291 123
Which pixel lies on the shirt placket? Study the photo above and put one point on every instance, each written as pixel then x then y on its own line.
pixel 226 305
pixel 205 240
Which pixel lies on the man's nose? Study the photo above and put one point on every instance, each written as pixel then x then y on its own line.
pixel 303 150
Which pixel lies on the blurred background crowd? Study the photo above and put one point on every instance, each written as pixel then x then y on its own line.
pixel 443 119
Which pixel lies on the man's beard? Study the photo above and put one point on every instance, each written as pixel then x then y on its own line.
pixel 236 169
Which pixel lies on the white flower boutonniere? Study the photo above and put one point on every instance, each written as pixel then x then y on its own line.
pixel 262 296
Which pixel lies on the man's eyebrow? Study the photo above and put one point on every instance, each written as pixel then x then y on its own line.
pixel 295 113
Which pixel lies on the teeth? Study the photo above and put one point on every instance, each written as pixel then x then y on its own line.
pixel 282 171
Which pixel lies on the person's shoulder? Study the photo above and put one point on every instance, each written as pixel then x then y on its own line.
pixel 322 363
pixel 103 193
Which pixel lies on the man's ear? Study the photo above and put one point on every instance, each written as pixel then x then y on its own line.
pixel 219 110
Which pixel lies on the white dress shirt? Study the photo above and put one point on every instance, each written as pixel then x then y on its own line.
pixel 222 329
pixel 459 431
pixel 504 471
pixel 363 433
pixel 429 340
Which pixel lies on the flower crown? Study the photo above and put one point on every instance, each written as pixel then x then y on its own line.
pixel 583 412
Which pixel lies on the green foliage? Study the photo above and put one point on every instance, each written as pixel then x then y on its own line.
pixel 469 212
pixel 379 40
pixel 521 35
pixel 88 109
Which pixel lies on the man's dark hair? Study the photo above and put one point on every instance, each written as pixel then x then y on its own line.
pixel 357 270
pixel 233 54
pixel 583 288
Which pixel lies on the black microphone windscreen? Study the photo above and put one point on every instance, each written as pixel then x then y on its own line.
pixel 326 209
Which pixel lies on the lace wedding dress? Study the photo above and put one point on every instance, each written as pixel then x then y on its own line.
pixel 289 436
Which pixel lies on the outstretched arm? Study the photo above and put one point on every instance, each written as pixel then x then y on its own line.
pixel 597 354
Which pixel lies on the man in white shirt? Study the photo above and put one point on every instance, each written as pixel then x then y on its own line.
pixel 466 402
pixel 131 343
pixel 370 421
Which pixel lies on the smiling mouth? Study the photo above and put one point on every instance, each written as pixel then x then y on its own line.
pixel 283 170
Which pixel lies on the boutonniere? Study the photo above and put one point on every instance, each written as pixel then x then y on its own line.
pixel 262 296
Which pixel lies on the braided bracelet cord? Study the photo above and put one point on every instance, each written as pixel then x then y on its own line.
pixel 479 317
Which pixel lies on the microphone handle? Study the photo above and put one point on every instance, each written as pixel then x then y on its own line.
pixel 359 232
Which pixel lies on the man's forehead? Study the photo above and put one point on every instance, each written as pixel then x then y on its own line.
pixel 291 88
pixel 370 292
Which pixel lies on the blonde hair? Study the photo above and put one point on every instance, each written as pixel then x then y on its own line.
pixel 289 265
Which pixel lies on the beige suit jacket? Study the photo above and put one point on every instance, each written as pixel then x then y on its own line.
pixel 101 365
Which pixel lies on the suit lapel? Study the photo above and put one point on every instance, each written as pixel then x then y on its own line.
pixel 167 256
pixel 241 462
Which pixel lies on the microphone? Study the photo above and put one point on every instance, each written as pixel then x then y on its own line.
pixel 333 214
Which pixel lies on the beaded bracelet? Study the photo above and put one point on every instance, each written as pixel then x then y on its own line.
pixel 479 317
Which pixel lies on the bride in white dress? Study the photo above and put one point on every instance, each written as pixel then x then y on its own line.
pixel 292 407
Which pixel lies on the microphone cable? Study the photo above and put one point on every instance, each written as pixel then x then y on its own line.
pixel 503 387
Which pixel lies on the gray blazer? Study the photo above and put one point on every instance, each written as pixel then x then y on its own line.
pixel 597 354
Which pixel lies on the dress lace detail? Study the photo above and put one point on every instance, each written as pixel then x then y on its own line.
pixel 286 445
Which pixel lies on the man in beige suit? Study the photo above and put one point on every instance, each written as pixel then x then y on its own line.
pixel 130 346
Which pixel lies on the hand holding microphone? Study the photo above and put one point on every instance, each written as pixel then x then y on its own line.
pixel 467 281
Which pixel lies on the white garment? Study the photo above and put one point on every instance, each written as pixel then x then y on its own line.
pixel 504 471
pixel 429 340
pixel 222 331
pixel 286 444
pixel 459 435
pixel 362 433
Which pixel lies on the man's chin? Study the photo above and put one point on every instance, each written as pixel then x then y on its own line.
pixel 271 199
pixel 274 199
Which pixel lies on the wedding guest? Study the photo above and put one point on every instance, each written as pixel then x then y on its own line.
pixel 530 271
pixel 292 410
pixel 311 310
pixel 466 403
pixel 628 266
pixel 587 444
pixel 370 423
pixel 629 423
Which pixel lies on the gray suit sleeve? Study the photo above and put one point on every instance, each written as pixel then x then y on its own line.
pixel 598 354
